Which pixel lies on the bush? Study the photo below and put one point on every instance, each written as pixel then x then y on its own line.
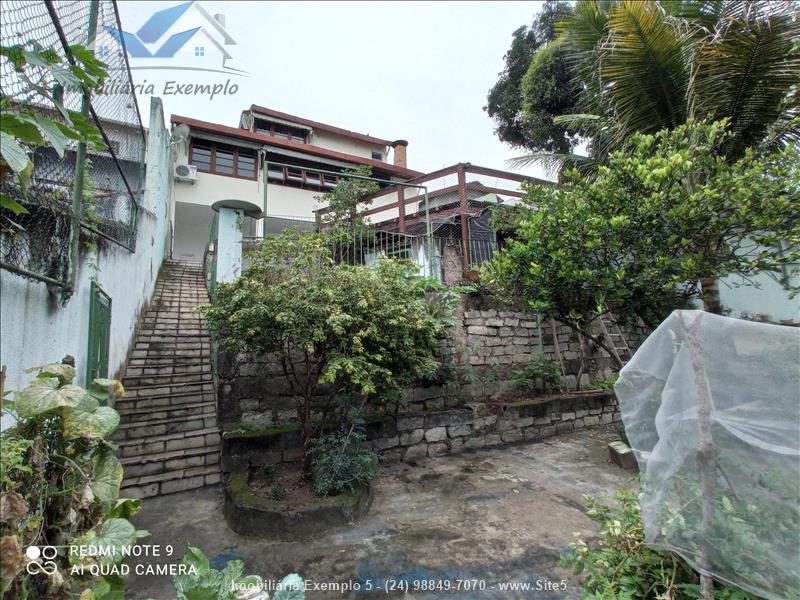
pixel 340 331
pixel 540 374
pixel 59 486
pixel 340 463
pixel 623 568
pixel 201 581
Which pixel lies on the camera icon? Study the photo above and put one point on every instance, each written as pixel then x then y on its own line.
pixel 40 560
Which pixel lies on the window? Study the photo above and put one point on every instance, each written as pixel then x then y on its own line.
pixel 199 51
pixel 246 166
pixel 223 159
pixel 279 130
pixel 377 156
pixel 302 178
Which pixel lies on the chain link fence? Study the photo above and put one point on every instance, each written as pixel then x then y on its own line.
pixel 37 246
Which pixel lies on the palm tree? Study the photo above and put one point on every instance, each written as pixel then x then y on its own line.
pixel 646 65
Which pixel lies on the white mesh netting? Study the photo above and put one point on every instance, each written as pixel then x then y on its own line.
pixel 711 407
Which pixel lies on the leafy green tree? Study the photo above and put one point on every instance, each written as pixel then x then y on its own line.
pixel 649 65
pixel 348 332
pixel 59 486
pixel 536 84
pixel 346 201
pixel 637 239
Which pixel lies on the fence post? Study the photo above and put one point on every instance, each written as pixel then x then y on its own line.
pixel 401 209
pixel 80 169
pixel 265 175
pixel 464 210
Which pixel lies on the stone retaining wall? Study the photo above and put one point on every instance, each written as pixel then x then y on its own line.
pixel 491 338
pixel 413 436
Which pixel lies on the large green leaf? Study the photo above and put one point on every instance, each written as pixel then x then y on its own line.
pixel 126 508
pixel 115 534
pixel 194 557
pixel 13 153
pixel 192 585
pixel 109 587
pixel 199 592
pixel 9 203
pixel 65 373
pixel 21 127
pixel 52 133
pixel 106 479
pixel 291 587
pixel 90 420
pixel 45 395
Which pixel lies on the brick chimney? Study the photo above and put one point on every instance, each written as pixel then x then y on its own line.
pixel 400 153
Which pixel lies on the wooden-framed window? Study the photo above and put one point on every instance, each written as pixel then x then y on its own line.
pixel 377 156
pixel 284 132
pixel 223 159
pixel 301 178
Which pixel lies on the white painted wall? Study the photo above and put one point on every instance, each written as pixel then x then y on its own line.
pixel 37 330
pixel 210 188
pixel 229 243
pixel 281 200
pixel 770 299
pixel 331 141
pixel 291 202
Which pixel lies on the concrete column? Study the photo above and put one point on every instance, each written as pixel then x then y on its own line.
pixel 229 244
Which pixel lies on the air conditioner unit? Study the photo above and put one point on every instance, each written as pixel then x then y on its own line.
pixel 186 173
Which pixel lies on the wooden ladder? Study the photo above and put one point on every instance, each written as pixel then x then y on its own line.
pixel 616 339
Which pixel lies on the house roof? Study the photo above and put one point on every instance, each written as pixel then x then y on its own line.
pixel 244 134
pixel 268 112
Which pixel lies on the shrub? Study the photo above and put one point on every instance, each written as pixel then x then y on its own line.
pixel 59 486
pixel 541 373
pixel 201 581
pixel 277 492
pixel 623 568
pixel 340 463
pixel 339 331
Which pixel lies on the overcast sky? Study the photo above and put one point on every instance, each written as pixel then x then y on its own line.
pixel 417 71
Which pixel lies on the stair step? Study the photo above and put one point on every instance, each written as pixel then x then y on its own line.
pixel 162 456
pixel 171 461
pixel 166 389
pixel 145 429
pixel 166 361
pixel 179 481
pixel 170 412
pixel 139 381
pixel 165 402
pixel 157 371
pixel 157 444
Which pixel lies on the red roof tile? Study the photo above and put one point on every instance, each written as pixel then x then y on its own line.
pixel 244 134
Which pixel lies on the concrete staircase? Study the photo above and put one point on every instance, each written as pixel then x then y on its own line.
pixel 168 436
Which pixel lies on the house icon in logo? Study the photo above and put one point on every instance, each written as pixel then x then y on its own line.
pixel 184 36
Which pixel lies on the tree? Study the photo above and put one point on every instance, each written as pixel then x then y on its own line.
pixel 636 239
pixel 352 333
pixel 350 194
pixel 649 65
pixel 535 85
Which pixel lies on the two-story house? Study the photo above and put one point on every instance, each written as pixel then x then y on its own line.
pixel 216 163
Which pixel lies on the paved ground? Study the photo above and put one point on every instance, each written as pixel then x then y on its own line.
pixel 495 516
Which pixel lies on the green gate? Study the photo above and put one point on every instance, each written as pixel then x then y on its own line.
pixel 99 334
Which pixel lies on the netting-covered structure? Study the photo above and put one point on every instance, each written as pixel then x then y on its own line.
pixel 711 406
pixel 38 245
